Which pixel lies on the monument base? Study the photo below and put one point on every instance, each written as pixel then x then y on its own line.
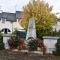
pixel 49 42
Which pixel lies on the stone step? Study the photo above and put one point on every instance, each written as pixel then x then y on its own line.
pixel 38 52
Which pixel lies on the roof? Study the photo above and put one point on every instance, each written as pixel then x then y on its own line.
pixel 10 16
pixel 18 14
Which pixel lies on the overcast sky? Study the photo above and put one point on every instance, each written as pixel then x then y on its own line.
pixel 9 5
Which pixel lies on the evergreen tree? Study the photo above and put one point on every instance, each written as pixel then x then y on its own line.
pixel 57 52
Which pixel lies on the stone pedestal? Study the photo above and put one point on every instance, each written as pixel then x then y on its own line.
pixel 6 37
pixel 50 42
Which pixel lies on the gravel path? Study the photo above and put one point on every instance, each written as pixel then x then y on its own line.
pixel 9 55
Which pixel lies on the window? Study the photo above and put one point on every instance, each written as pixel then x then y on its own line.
pixel 3 20
pixel 5 30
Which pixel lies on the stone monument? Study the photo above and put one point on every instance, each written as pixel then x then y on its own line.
pixel 50 42
pixel 31 31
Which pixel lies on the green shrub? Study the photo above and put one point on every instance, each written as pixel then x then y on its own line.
pixel 13 42
pixel 1 42
pixel 1 46
pixel 15 32
pixel 33 44
pixel 57 52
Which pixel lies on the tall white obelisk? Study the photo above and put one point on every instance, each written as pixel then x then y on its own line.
pixel 31 31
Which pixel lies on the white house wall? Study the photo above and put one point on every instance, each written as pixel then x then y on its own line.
pixel 17 26
pixel 7 24
pixel 57 26
pixel 10 25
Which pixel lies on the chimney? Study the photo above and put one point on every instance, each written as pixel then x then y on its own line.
pixel 1 10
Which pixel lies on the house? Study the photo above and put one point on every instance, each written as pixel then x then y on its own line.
pixel 57 26
pixel 10 21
